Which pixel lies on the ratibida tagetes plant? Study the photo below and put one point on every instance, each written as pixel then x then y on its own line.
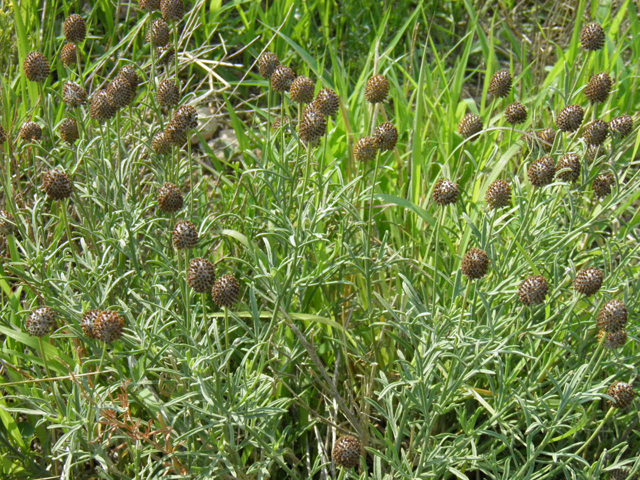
pixel 273 240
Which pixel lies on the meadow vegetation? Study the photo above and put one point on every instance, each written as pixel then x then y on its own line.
pixel 311 240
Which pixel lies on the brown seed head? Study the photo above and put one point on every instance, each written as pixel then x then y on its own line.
pixel 445 192
pixel 327 102
pixel 598 88
pixel 312 126
pixel 128 72
pixel 175 134
pixel 621 126
pixel 172 10
pixel 185 235
pixel 3 136
pixel 168 93
pixel 346 452
pixel 613 340
pixel 365 149
pixel 498 194
pixel 592 36
pixel 282 78
pixel 41 322
pixel 30 131
pixel 568 168
pixel 515 113
pixel 596 132
pixel 161 144
pixel 622 394
pixel 386 136
pixel 546 138
pixel 225 291
pixel 377 89
pixel 201 275
pixel 88 322
pixel 119 92
pixel 471 124
pixel 533 290
pixel 74 28
pixel 159 34
pixel 612 316
pixel 149 5
pixel 101 109
pixel 7 223
pixel 36 67
pixel 170 198
pixel 570 118
pixel 541 172
pixel 69 130
pixel 588 281
pixel 267 63
pixel 186 117
pixel 279 122
pixel 500 84
pixel 602 184
pixel 108 326
pixel 475 264
pixel 69 54
pixel 302 89
pixel 57 185
pixel 164 55
pixel 74 95
pixel 622 474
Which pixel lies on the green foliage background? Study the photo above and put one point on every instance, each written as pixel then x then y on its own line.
pixel 354 317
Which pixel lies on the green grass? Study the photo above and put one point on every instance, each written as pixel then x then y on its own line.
pixel 354 316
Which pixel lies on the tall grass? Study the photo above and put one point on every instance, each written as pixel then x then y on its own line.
pixel 354 316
